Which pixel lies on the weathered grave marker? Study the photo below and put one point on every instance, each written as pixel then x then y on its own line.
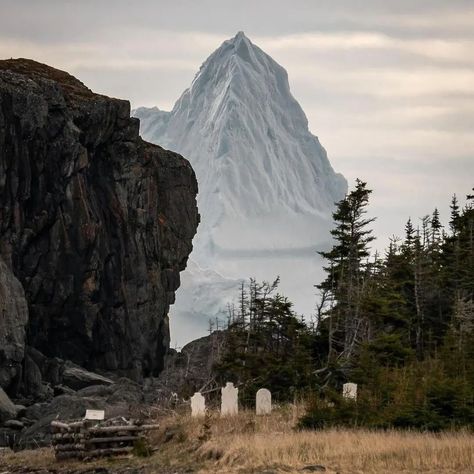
pixel 198 405
pixel 349 390
pixel 229 401
pixel 263 402
pixel 94 415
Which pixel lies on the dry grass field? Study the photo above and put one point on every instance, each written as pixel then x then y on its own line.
pixel 250 444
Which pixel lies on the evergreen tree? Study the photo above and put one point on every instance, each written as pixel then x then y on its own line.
pixel 346 271
pixel 409 237
pixel 436 227
pixel 267 345
pixel 453 222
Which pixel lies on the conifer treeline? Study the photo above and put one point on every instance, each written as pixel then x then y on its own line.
pixel 267 344
pixel 410 298
pixel 400 325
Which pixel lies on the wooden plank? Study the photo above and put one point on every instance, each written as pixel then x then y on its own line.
pixel 58 437
pixel 70 447
pixel 62 442
pixel 108 451
pixel 116 429
pixel 78 424
pixel 60 425
pixel 150 427
pixel 112 439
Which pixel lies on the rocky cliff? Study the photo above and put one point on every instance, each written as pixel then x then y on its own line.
pixel 95 224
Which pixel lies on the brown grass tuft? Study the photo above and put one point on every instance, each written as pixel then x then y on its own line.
pixel 247 443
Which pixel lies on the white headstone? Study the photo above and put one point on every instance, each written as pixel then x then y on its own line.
pixel 349 390
pixel 263 402
pixel 198 405
pixel 230 399
pixel 94 415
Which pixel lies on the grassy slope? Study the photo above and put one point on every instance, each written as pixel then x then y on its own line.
pixel 247 444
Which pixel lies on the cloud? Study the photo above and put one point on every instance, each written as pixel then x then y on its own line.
pixel 450 50
pixel 70 20
pixel 147 67
pixel 120 50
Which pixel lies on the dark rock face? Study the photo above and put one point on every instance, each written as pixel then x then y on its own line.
pixel 7 408
pixel 13 320
pixel 95 223
pixel 188 371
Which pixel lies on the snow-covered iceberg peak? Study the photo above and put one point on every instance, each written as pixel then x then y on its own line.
pixel 266 187
pixel 259 168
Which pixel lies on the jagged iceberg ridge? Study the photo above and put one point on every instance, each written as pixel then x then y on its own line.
pixel 266 187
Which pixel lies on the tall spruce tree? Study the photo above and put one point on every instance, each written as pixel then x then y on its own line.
pixel 346 271
pixel 454 214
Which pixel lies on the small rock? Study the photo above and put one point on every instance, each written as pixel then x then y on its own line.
pixel 32 376
pixel 36 411
pixel 96 391
pixel 14 424
pixel 63 390
pixel 170 435
pixel 7 408
pixel 20 410
pixel 76 377
pixel 26 421
pixel 314 468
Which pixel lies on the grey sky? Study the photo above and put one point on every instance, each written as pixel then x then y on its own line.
pixel 388 86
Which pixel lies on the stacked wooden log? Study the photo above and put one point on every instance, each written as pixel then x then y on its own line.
pixel 88 439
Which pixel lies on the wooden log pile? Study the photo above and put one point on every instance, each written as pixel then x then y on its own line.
pixel 85 439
